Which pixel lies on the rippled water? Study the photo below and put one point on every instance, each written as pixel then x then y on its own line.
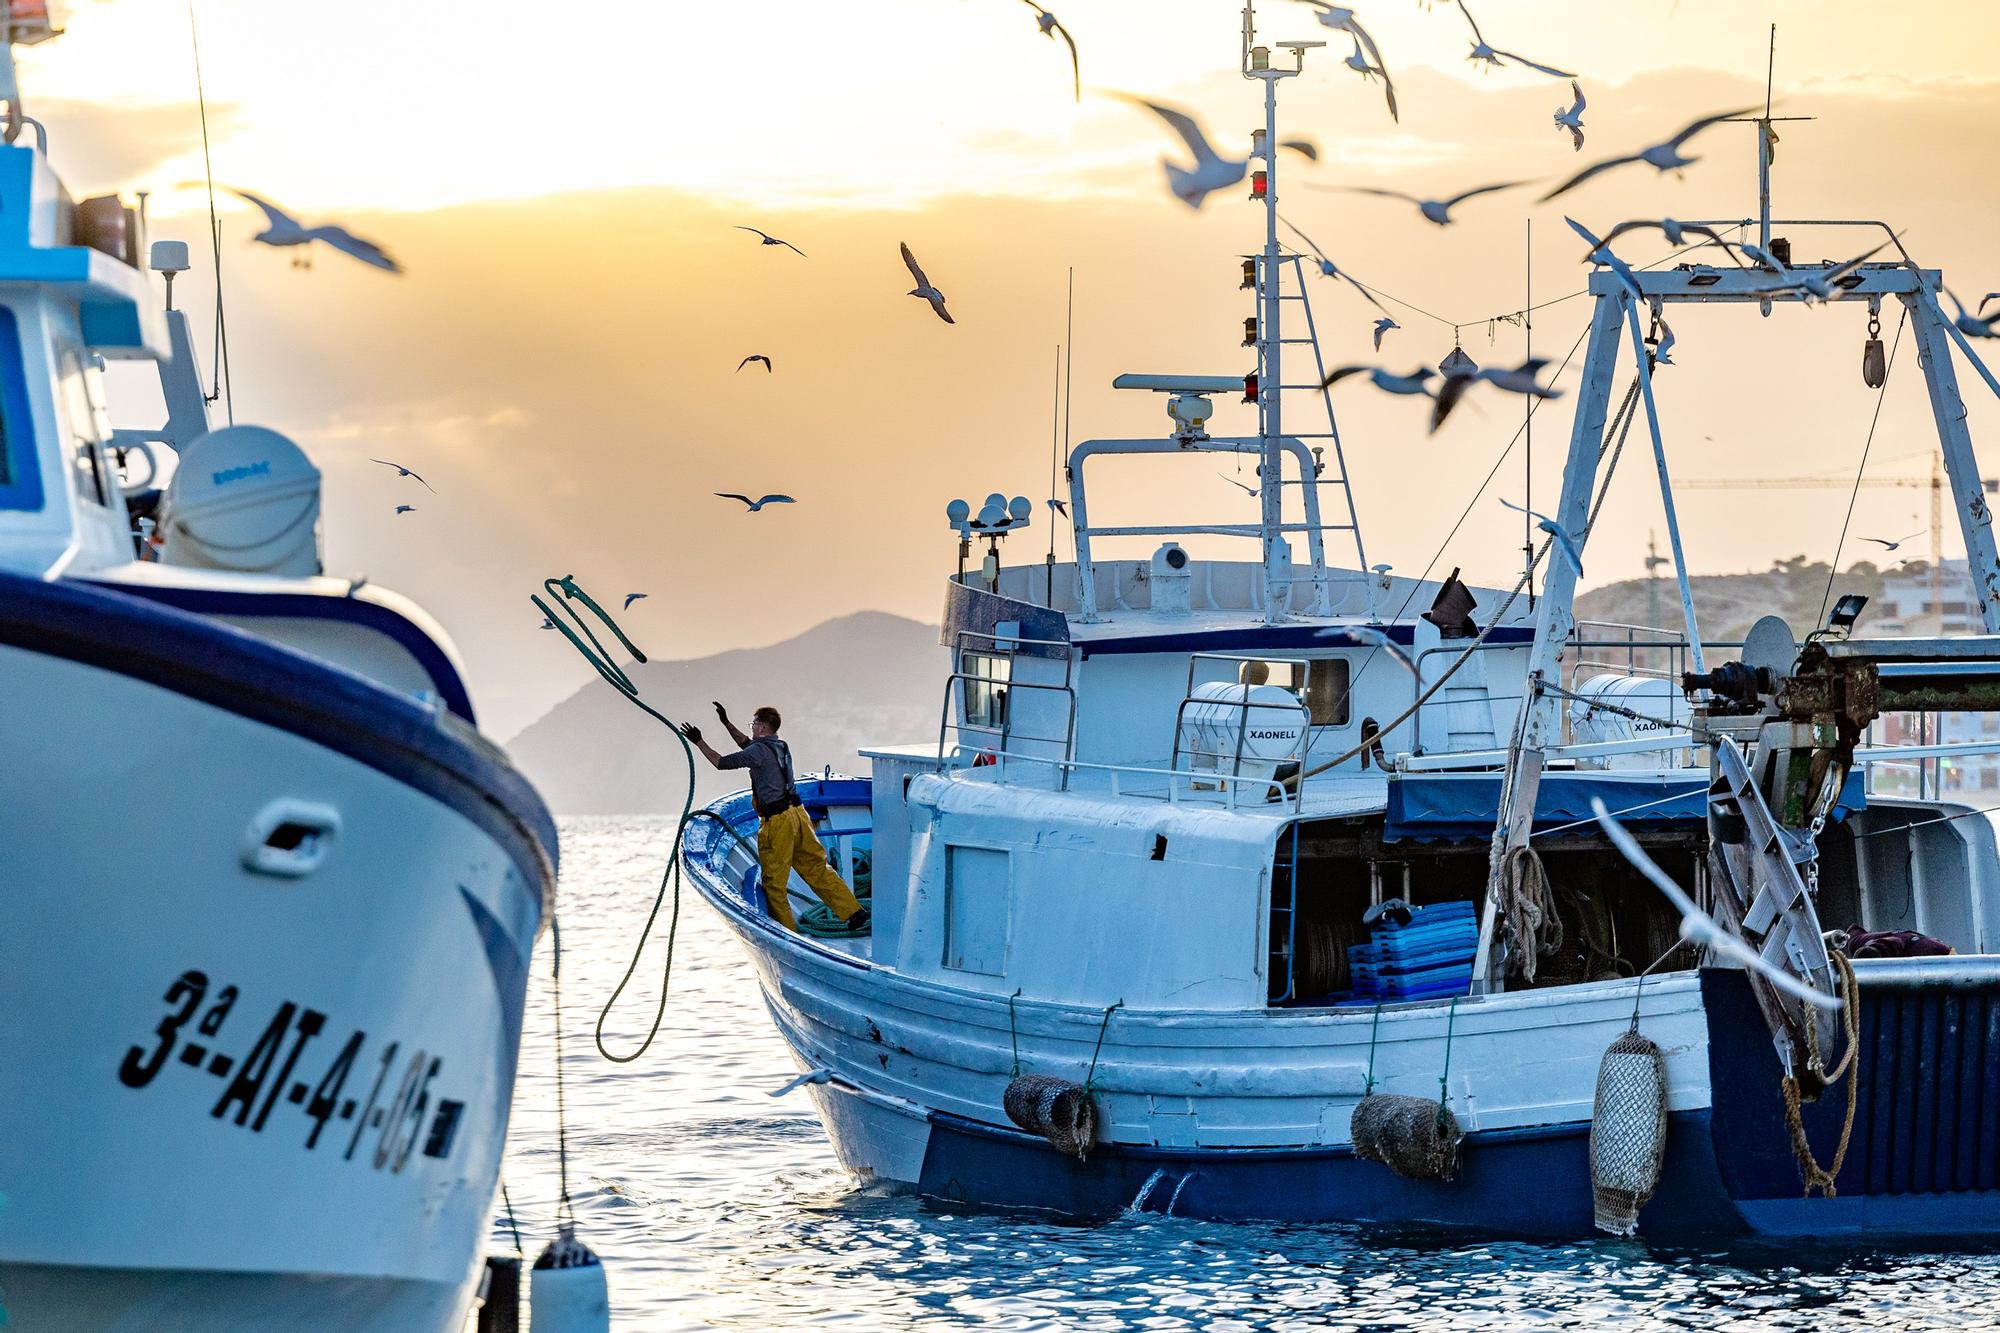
pixel 717 1207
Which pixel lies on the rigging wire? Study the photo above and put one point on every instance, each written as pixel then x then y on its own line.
pixel 1881 395
pixel 223 388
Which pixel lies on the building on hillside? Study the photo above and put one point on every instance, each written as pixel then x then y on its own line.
pixel 1915 600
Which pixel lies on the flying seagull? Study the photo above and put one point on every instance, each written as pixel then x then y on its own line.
pixel 1816 284
pixel 1329 269
pixel 1572 119
pixel 755 505
pixel 1975 326
pixel 1894 545
pixel 1050 26
pixel 1059 506
pixel 406 509
pixel 1382 326
pixel 1491 57
pixel 547 623
pixel 924 289
pixel 1437 211
pixel 755 356
pixel 1676 233
pixel 1305 148
pixel 405 472
pixel 1665 156
pixel 630 598
pixel 1210 172
pixel 284 230
pixel 769 239
pixel 1358 62
pixel 1242 486
pixel 1414 384
pixel 1600 253
pixel 1563 541
pixel 1662 355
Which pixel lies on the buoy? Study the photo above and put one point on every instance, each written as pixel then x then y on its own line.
pixel 567 1292
pixel 1415 1137
pixel 1060 1111
pixel 1628 1131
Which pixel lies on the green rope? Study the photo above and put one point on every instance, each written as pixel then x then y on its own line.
pixel 1014 1034
pixel 1368 1087
pixel 1090 1079
pixel 1444 1080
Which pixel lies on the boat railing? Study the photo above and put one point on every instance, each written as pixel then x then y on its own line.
pixel 982 740
pixel 1149 782
pixel 1298 704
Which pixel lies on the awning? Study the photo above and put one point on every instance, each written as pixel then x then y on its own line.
pixel 1446 807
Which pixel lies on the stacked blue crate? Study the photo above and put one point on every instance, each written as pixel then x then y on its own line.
pixel 1429 958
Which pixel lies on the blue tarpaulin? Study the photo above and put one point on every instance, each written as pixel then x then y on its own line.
pixel 1435 807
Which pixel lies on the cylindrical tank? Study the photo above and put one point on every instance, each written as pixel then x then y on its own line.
pixel 1660 701
pixel 1263 724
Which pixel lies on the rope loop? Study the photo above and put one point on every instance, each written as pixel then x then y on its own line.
pixel 1821 1178
pixel 1374 1028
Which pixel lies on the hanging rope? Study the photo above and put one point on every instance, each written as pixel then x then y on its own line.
pixel 1090 1079
pixel 1444 1079
pixel 1014 1034
pixel 222 388
pixel 1527 906
pixel 1374 1028
pixel 1817 1177
pixel 1881 394
pixel 513 1223
pixel 563 1205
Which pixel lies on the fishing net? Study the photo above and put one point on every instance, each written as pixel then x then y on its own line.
pixel 1060 1111
pixel 1413 1136
pixel 1628 1131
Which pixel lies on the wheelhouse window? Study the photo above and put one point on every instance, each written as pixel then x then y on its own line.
pixel 1324 690
pixel 986 677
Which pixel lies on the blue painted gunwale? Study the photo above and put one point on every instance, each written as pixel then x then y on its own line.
pixel 425 748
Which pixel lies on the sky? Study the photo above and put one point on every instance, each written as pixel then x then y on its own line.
pixel 563 183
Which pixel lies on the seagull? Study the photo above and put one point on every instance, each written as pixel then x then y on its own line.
pixel 1600 253
pixel 547 623
pixel 1975 326
pixel 756 505
pixel 406 509
pixel 1248 489
pixel 404 472
pixel 1812 284
pixel 758 356
pixel 1434 210
pixel 1697 927
pixel 282 229
pixel 1676 233
pixel 1482 52
pixel 810 1076
pixel 1521 379
pixel 1572 119
pixel 1305 148
pixel 1988 300
pixel 769 239
pixel 630 598
pixel 1564 542
pixel 1358 62
pixel 1059 506
pixel 1661 355
pixel 1341 18
pixel 1660 156
pixel 1894 545
pixel 924 288
pixel 1050 26
pixel 1382 326
pixel 1329 269
pixel 1411 385
pixel 1210 172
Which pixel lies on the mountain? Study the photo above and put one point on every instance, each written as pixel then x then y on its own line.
pixel 1727 605
pixel 864 679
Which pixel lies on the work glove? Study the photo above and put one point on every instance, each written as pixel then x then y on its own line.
pixel 691 731
pixel 721 712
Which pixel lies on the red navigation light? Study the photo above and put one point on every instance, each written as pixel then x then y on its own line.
pixel 1257 185
pixel 1250 387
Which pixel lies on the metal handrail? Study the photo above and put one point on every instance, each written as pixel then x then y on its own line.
pixel 1175 777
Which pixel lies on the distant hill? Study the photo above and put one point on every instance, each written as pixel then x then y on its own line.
pixel 865 679
pixel 1727 605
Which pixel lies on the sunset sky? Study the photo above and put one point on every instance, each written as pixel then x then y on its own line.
pixel 561 183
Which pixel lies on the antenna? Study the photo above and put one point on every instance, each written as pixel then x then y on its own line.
pixel 1767 146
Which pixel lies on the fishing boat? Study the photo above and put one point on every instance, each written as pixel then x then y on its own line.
pixel 270 894
pixel 1217 867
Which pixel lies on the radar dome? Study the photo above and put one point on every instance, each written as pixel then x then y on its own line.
pixel 243 498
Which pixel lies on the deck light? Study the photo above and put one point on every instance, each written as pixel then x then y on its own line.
pixel 1249 274
pixel 1846 611
pixel 1704 277
pixel 1260 57
pixel 1250 331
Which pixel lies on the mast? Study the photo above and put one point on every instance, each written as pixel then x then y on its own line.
pixel 1270 320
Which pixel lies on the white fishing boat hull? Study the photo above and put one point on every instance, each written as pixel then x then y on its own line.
pixel 248 1086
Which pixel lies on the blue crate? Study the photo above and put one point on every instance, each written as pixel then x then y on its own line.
pixel 1430 957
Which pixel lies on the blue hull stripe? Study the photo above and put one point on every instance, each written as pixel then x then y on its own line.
pixel 431 751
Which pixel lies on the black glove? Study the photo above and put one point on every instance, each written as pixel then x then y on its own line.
pixel 691 731
pixel 720 711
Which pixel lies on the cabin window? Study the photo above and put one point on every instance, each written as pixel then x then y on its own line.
pixel 985 684
pixel 82 421
pixel 20 478
pixel 978 888
pixel 1324 690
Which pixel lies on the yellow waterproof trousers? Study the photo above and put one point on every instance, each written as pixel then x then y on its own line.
pixel 786 842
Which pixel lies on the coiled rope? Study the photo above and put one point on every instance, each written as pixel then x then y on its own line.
pixel 1819 1177
pixel 563 593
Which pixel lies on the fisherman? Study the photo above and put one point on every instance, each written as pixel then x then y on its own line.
pixel 785 837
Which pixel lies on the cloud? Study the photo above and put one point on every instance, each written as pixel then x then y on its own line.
pixel 107 147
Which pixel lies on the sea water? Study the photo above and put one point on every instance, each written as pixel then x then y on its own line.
pixel 715 1206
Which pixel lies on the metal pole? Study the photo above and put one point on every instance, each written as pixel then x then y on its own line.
pixel 1645 362
pixel 1271 491
pixel 1764 148
pixel 1975 518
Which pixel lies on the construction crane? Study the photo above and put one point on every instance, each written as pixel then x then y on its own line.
pixel 1935 483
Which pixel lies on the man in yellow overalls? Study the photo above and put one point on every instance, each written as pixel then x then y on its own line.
pixel 785 837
